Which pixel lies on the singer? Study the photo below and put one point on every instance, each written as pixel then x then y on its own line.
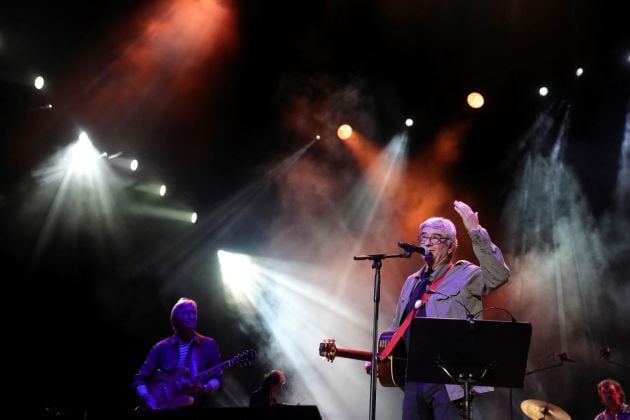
pixel 460 286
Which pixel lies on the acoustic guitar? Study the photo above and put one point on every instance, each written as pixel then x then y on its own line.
pixel 167 390
pixel 390 371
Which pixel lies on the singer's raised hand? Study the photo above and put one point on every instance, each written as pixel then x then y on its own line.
pixel 469 217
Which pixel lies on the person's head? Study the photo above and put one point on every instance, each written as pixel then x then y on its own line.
pixel 440 236
pixel 184 315
pixel 273 381
pixel 611 393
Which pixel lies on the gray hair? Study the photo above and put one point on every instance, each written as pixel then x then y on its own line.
pixel 182 301
pixel 441 223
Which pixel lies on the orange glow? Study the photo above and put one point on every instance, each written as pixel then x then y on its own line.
pixel 363 150
pixel 419 190
pixel 407 193
pixel 167 65
pixel 446 148
pixel 423 192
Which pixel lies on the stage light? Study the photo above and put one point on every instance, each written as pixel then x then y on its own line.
pixel 83 155
pixel 579 71
pixel 344 132
pixel 124 163
pixel 239 273
pixel 291 303
pixel 39 82
pixel 163 191
pixel 159 212
pixel 475 100
pixel 49 106
pixel 317 137
pixel 408 122
pixel 543 91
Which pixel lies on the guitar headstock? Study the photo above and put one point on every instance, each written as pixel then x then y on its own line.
pixel 244 357
pixel 328 349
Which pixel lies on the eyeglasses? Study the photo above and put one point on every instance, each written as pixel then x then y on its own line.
pixel 432 239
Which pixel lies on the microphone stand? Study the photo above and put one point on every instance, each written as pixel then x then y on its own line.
pixel 545 368
pixel 377 263
pixel 604 354
pixel 563 358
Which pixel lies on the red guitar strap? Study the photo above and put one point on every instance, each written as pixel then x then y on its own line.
pixel 411 315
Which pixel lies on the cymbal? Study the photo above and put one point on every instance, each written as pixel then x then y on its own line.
pixel 542 410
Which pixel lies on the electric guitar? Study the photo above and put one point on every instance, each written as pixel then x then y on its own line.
pixel 390 371
pixel 167 390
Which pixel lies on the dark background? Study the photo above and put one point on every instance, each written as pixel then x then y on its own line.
pixel 84 307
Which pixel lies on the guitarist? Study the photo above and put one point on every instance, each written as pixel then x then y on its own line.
pixel 185 353
pixel 459 286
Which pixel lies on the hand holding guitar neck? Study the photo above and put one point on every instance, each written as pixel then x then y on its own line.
pixel 193 388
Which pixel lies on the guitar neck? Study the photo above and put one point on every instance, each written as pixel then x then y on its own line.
pixel 354 354
pixel 214 370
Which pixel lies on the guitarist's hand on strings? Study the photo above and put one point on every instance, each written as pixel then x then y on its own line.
pixel 199 388
pixel 193 388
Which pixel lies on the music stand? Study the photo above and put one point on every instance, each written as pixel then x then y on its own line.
pixel 459 351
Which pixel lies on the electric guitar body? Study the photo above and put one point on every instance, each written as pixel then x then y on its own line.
pixel 168 391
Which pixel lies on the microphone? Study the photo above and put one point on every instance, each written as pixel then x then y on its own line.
pixel 565 358
pixel 422 250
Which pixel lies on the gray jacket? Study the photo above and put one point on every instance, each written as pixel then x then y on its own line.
pixel 466 283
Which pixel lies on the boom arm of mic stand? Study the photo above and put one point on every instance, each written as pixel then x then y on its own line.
pixel 374 257
pixel 612 362
pixel 545 368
